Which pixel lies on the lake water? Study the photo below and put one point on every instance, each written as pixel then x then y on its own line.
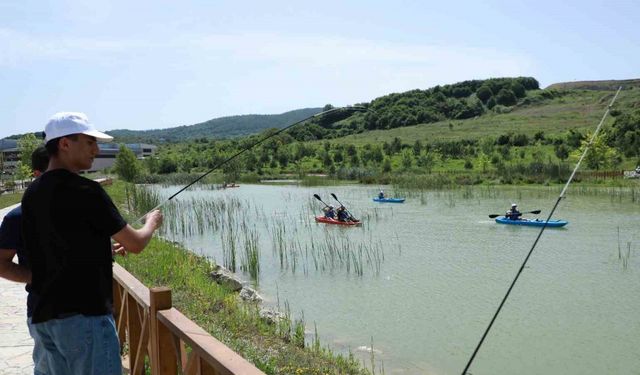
pixel 422 279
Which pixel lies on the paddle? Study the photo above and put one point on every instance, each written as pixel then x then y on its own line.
pixel 535 212
pixel 345 208
pixel 318 198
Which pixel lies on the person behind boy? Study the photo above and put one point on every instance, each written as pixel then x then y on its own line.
pixel 11 244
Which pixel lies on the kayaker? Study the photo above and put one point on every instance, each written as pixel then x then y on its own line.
pixel 513 213
pixel 343 215
pixel 381 194
pixel 329 212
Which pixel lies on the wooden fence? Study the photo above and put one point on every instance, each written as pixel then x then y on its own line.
pixel 162 339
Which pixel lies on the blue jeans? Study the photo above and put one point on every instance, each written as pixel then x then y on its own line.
pixel 39 355
pixel 80 345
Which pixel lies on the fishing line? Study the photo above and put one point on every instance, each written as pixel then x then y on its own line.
pixel 232 157
pixel 562 194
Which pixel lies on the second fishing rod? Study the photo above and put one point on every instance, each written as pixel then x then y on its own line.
pixel 258 142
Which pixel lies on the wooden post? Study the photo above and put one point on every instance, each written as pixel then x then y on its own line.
pixel 117 310
pixel 135 327
pixel 163 358
pixel 206 369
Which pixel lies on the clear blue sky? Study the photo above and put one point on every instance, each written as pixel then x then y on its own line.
pixel 156 64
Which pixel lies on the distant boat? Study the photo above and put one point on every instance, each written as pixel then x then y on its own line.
pixel 389 200
pixel 531 223
pixel 224 186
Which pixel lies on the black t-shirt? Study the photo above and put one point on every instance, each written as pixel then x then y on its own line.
pixel 11 238
pixel 67 223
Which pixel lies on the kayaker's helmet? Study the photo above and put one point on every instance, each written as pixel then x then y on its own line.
pixel 330 207
pixel 513 205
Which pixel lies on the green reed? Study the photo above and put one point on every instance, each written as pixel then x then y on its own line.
pixel 623 256
pixel 298 243
pixel 250 258
pixel 327 253
pixel 141 199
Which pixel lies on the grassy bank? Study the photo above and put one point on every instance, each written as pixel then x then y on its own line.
pixel 275 348
pixel 7 200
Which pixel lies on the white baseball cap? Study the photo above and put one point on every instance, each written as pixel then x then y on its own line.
pixel 67 123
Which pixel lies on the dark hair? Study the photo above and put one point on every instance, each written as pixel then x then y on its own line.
pixel 52 145
pixel 40 159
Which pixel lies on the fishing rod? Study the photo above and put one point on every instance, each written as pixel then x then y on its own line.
pixel 232 157
pixel 562 195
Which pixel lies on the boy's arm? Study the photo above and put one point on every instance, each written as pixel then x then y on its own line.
pixel 12 271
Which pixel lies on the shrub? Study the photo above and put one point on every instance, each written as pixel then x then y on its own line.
pixel 484 93
pixel 506 97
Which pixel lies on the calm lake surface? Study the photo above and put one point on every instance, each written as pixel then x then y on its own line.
pixel 422 279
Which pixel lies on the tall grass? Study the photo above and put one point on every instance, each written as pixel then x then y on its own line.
pixel 624 256
pixel 141 199
pixel 250 257
pixel 298 244
pixel 328 252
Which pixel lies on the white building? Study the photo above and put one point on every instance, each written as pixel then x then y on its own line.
pixel 10 154
pixel 108 152
pixel 105 159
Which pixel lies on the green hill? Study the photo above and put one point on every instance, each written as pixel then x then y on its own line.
pixel 554 115
pixel 223 127
pixel 595 85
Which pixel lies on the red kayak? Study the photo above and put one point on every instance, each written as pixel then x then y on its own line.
pixel 326 220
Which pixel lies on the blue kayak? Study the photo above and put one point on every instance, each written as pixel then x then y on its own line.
pixel 389 200
pixel 531 223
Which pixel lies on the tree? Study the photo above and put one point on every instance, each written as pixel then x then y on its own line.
pixel 126 165
pixel 231 170
pixel 518 90
pixel 152 164
pixel 167 164
pixel 561 151
pixel 625 134
pixel 483 161
pixel 23 172
pixel 376 154
pixel 26 145
pixel 250 161
pixel 284 156
pixel 417 148
pixel 599 155
pixel 427 161
pixel 484 93
pixel 574 138
pixel 396 145
pixel 337 156
pixel 407 159
pixel 506 97
pixel 487 144
pixel 468 164
pixel 386 165
pixel 326 159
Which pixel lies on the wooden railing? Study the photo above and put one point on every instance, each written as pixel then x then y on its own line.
pixel 160 338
